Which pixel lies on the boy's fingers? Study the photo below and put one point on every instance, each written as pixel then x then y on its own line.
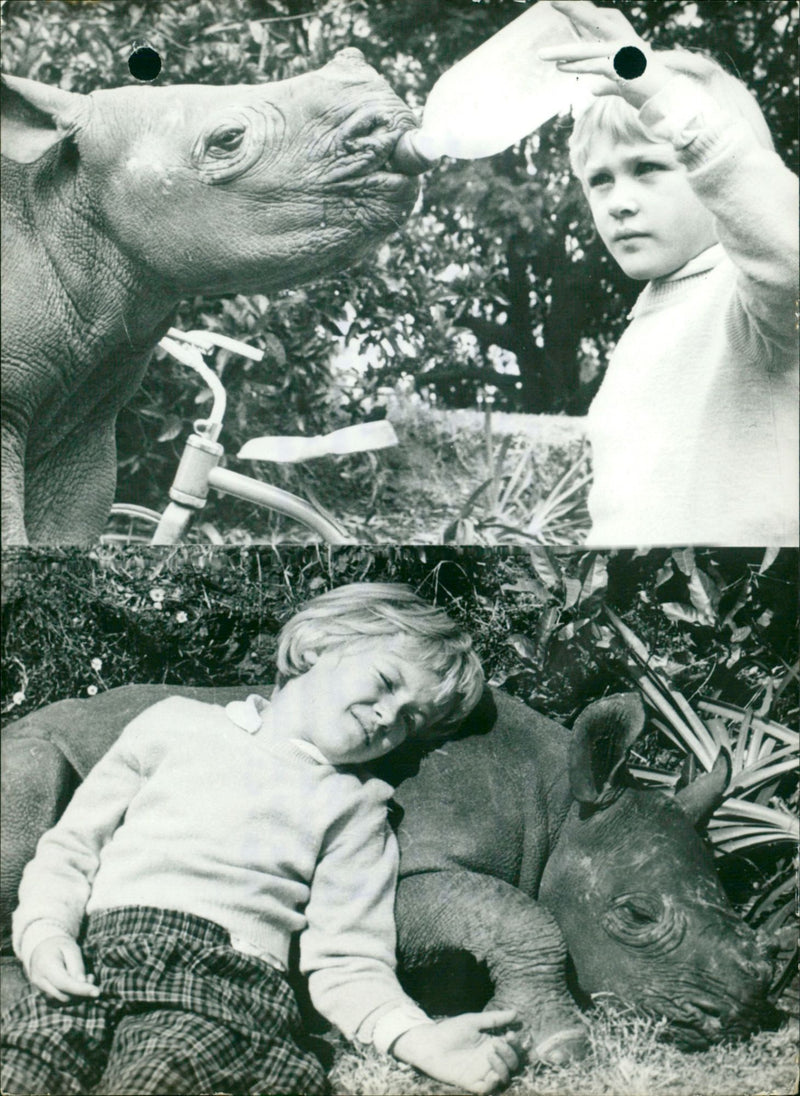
pixel 577 51
pixel 73 964
pixel 77 987
pixel 46 986
pixel 506 1054
pixel 496 1018
pixel 597 67
pixel 594 22
pixel 498 1072
pixel 84 989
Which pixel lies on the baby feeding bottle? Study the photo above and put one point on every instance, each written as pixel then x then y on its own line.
pixel 495 95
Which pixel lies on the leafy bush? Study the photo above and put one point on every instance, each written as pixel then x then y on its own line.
pixel 525 504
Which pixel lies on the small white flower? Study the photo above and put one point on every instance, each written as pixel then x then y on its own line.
pixel 157 595
pixel 181 617
pixel 18 697
pixel 96 664
pixel 91 690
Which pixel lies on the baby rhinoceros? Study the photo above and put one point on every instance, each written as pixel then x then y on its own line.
pixel 534 853
pixel 119 203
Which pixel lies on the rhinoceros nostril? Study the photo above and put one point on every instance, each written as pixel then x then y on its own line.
pixel 768 946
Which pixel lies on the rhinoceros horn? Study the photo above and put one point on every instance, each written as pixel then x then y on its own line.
pixel 701 797
pixel 601 737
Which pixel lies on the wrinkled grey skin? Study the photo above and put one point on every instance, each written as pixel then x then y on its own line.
pixel 118 203
pixel 519 845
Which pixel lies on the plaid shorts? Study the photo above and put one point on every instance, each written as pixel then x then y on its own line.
pixel 181 1013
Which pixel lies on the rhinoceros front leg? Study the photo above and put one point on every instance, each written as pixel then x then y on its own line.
pixel 443 912
pixel 69 490
pixel 13 488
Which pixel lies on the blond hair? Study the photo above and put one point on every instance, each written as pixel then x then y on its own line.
pixel 613 116
pixel 362 611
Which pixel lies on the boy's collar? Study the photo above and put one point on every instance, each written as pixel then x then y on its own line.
pixel 310 750
pixel 706 260
pixel 247 714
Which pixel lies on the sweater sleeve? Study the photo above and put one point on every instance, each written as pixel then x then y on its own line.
pixel 348 947
pixel 754 199
pixel 57 882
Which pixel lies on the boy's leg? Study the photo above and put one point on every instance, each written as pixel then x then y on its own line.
pixel 52 1048
pixel 193 1013
pixel 167 1052
pixel 280 1066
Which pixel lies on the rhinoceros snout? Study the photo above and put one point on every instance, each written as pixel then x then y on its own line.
pixel 755 959
pixel 768 947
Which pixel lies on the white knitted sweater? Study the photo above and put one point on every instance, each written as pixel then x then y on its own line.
pixel 694 430
pixel 196 811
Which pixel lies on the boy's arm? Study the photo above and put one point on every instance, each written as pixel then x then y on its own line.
pixel 752 194
pixel 754 199
pixel 348 947
pixel 57 882
pixel 348 951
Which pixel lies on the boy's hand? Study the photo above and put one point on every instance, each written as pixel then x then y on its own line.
pixel 56 968
pixel 604 32
pixel 458 1052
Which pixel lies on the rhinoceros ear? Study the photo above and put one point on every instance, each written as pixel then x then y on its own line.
pixel 600 741
pixel 700 798
pixel 34 117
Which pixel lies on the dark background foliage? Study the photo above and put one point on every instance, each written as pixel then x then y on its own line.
pixel 499 257
pixel 203 615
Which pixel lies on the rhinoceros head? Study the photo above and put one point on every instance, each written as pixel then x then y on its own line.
pixel 633 887
pixel 226 189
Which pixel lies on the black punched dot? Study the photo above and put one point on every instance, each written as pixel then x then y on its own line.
pixel 144 63
pixel 629 62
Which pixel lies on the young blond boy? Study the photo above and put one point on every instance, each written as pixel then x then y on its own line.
pixel 694 429
pixel 206 837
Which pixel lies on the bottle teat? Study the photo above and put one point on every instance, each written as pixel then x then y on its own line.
pixel 408 158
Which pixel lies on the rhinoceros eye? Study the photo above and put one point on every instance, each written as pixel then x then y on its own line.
pixel 641 919
pixel 225 140
pixel 233 143
pixel 636 914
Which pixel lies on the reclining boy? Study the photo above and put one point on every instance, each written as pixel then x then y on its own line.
pixel 156 916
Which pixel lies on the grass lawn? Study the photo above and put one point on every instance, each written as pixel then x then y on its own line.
pixel 627 1058
pixel 443 457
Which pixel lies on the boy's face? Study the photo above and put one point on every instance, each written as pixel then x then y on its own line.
pixel 358 702
pixel 644 208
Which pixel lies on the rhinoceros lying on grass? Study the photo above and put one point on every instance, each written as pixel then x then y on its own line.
pixel 119 203
pixel 520 845
pixel 535 853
